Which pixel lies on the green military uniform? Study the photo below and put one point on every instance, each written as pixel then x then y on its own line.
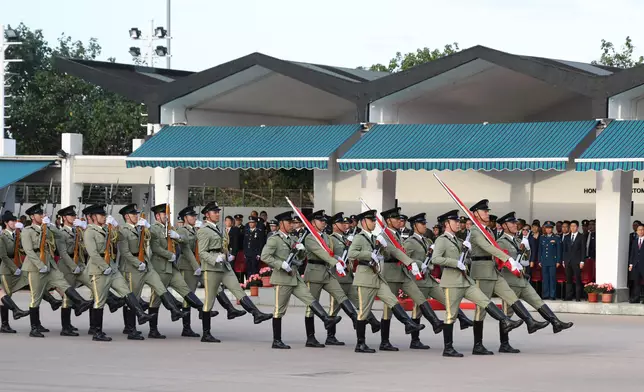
pixel 339 243
pixel 10 281
pixel 418 248
pixel 65 241
pixel 188 263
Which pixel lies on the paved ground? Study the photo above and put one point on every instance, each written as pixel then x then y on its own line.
pixel 600 353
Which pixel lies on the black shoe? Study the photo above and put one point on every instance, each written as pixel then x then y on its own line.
pixel 169 303
pixel 42 329
pixel 362 347
pixel 450 352
pixel 278 344
pixel 155 334
pixel 387 346
pixel 92 331
pixel 101 337
pixel 479 349
pixel 188 332
pixel 311 341
pixel 374 323
pixel 404 318
pixel 464 321
pixel 557 325
pixel 66 331
pixel 448 336
pixel 319 311
pixel 350 311
pixel 207 337
pixel 55 303
pixel 258 316
pixel 418 345
pixel 73 328
pixel 135 335
pixel 430 315
pixel 144 304
pixel 35 333
pixel 115 303
pixel 80 304
pixel 333 341
pixel 18 313
pixel 135 306
pixel 506 348
pixel 225 303
pixel 309 326
pixel 523 314
pixel 507 323
pixel 6 328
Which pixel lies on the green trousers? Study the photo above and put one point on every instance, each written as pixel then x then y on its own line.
pixel 12 283
pixel 212 280
pixel 528 294
pixel 173 280
pixel 332 286
pixel 410 288
pixel 366 296
pixel 454 296
pixel 74 281
pixel 283 296
pixel 101 285
pixel 137 279
pixel 39 282
pixel 429 292
pixel 350 291
pixel 498 287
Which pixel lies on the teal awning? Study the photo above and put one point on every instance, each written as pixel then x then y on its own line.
pixel 511 146
pixel 618 147
pixel 276 147
pixel 12 170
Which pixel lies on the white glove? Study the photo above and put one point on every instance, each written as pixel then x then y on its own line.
pixel 197 272
pixel 220 259
pixel 77 223
pixel 461 264
pixel 286 267
pixel 142 267
pixel 350 238
pixel 77 270
pixel 173 258
pixel 525 243
pixel 340 268
pixel 375 256
pixel 514 264
pixel 107 271
pixel 43 270
pixel 46 220
pixel 19 226
pixel 231 257
pixel 467 245
pixel 143 223
pixel 111 221
pixel 424 267
pixel 198 224
pixel 174 235
pixel 18 272
pixel 431 246
pixel 382 240
pixel 299 246
pixel 414 269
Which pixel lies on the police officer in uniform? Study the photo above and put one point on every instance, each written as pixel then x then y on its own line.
pixel 520 248
pixel 490 281
pixel 12 278
pixel 253 242
pixel 550 253
pixel 370 251
pixel 320 274
pixel 405 231
pixel 287 280
pixel 419 248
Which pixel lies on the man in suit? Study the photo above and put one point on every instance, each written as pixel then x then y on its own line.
pixel 590 240
pixel 636 263
pixel 573 259
pixel 233 233
pixel 632 237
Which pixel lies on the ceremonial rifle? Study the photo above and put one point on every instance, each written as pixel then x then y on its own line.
pixel 168 226
pixel 143 231
pixel 43 227
pixel 110 229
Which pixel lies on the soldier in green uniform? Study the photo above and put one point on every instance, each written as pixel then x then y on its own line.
pixel 320 274
pixel 279 250
pixel 450 253
pixel 215 263
pixel 11 275
pixel 341 244
pixel 138 273
pixel 398 278
pixel 104 274
pixel 519 249
pixel 370 251
pixel 419 248
pixel 488 278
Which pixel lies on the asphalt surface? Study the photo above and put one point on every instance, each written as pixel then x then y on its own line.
pixel 599 353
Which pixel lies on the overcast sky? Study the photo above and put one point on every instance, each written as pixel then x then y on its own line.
pixel 338 32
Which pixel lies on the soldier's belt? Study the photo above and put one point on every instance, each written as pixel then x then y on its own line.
pixel 218 250
pixel 316 262
pixel 391 261
pixel 135 254
pixel 71 255
pixel 481 258
pixel 365 263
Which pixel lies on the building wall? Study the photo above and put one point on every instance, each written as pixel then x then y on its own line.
pixel 200 117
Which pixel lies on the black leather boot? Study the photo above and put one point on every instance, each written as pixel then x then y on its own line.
pixel 114 302
pixel 385 344
pixel 80 305
pixel 207 337
pixel 144 304
pixel 374 322
pixel 4 316
pixel 523 314
pixel 66 322
pixel 98 320
pixel 479 348
pixel 133 303
pixel 361 346
pixel 187 329
pixel 127 328
pixel 557 325
pixel 464 321
pixel 428 313
pixel 505 343
pixel 506 323
pixel 154 330
pixel 319 311
pixel 168 302
pixel 18 313
pixel 331 339
pixel 250 307
pixel 133 334
pixel 404 318
pixel 416 344
pixel 277 335
pixel 34 318
pixel 350 310
pixel 92 322
pixel 225 303
pixel 309 326
pixel 448 340
pixel 55 303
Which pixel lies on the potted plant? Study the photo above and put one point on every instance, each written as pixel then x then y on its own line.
pixel 406 302
pixel 253 283
pixel 265 273
pixel 607 291
pixel 592 289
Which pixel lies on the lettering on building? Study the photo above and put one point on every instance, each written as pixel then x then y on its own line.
pixel 594 190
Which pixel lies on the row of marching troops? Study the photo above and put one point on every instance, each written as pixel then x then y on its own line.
pixel 360 267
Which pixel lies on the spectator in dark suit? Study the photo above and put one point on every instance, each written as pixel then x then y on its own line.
pixel 636 264
pixel 254 240
pixel 590 240
pixel 232 232
pixel 632 237
pixel 535 236
pixel 573 259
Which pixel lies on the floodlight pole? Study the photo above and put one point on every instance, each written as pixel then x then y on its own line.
pixel 3 62
pixel 169 34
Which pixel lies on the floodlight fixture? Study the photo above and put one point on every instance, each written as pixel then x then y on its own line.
pixel 135 33
pixel 135 52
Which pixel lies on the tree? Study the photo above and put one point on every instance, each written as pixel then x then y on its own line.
pixel 412 59
pixel 46 103
pixel 623 59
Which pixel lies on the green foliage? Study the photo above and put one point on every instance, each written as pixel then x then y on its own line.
pixel 412 59
pixel 622 59
pixel 47 103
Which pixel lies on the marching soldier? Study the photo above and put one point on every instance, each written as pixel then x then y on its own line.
pixel 405 231
pixel 370 251
pixel 273 226
pixel 318 276
pixel 11 275
pixel 215 262
pixel 42 270
pixel 398 278
pixel 419 248
pixel 278 253
pixel 353 227
pixel 516 249
pixel 450 253
pixel 490 281
pixel 103 270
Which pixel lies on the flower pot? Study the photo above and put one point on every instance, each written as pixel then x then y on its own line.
pixel 254 291
pixel 607 298
pixel 592 297
pixel 266 281
pixel 407 304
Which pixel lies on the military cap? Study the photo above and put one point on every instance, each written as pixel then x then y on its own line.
pixel 253 218
pixel 509 217
pixel 548 224
pixel 392 213
pixel 179 218
pixel 404 217
pixel 158 208
pixel 8 216
pixel 188 211
pixel 419 218
pixel 273 222
pixel 584 222
pixel 463 219
pixel 284 216
pixel 212 206
pixel 260 220
pixel 296 218
pixel 319 215
pixel 98 209
pixel 129 209
pixel 493 218
pixel 239 216
pixel 481 205
pixel 337 218
pixel 36 209
pixel 591 221
pixel 371 214
pixel 450 215
pixel 67 211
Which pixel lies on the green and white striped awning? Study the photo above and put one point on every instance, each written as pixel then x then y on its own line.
pixel 618 147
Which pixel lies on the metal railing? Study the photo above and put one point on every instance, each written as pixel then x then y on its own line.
pixel 30 193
